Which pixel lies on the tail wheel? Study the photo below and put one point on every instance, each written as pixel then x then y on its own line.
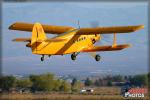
pixel 42 58
pixel 97 57
pixel 73 56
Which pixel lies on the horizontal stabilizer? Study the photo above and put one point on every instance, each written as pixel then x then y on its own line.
pixel 106 48
pixel 22 40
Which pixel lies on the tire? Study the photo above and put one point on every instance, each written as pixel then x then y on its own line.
pixel 42 58
pixel 73 57
pixel 97 57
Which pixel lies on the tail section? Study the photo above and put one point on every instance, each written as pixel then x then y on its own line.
pixel 38 34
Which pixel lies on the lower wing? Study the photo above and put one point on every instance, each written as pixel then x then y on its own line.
pixel 106 48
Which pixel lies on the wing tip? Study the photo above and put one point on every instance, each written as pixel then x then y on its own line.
pixel 11 27
pixel 14 40
pixel 142 26
pixel 139 27
pixel 128 45
pixel 15 25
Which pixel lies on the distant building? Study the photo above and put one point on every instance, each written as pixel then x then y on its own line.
pixel 86 90
pixel 118 83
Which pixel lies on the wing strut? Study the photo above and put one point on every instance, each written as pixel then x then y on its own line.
pixel 114 43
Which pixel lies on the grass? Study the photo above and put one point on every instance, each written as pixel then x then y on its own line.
pixel 107 90
pixel 101 93
pixel 60 97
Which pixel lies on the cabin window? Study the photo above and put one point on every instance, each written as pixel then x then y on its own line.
pixel 80 39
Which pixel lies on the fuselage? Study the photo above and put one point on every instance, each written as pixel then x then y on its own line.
pixel 71 43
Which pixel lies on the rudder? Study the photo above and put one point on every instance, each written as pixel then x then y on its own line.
pixel 38 35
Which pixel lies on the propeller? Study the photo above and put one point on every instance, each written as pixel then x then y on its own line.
pixel 105 37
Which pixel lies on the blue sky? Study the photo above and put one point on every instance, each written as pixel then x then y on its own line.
pixel 17 59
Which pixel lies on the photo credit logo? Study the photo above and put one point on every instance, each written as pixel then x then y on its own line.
pixel 136 92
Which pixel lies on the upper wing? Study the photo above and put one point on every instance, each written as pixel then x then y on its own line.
pixel 109 30
pixel 82 31
pixel 106 48
pixel 47 28
pixel 29 40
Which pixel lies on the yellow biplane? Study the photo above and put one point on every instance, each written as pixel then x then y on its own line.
pixel 69 40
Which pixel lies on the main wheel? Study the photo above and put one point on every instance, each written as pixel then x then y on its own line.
pixel 42 58
pixel 93 41
pixel 97 57
pixel 73 57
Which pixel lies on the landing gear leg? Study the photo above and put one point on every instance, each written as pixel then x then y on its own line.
pixel 93 41
pixel 49 56
pixel 42 58
pixel 97 57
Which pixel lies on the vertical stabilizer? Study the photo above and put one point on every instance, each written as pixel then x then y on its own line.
pixel 38 34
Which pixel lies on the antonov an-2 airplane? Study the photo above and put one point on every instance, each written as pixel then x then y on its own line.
pixel 69 40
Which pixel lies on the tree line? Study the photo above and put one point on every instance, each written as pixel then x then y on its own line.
pixel 48 82
pixel 43 82
pixel 118 80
